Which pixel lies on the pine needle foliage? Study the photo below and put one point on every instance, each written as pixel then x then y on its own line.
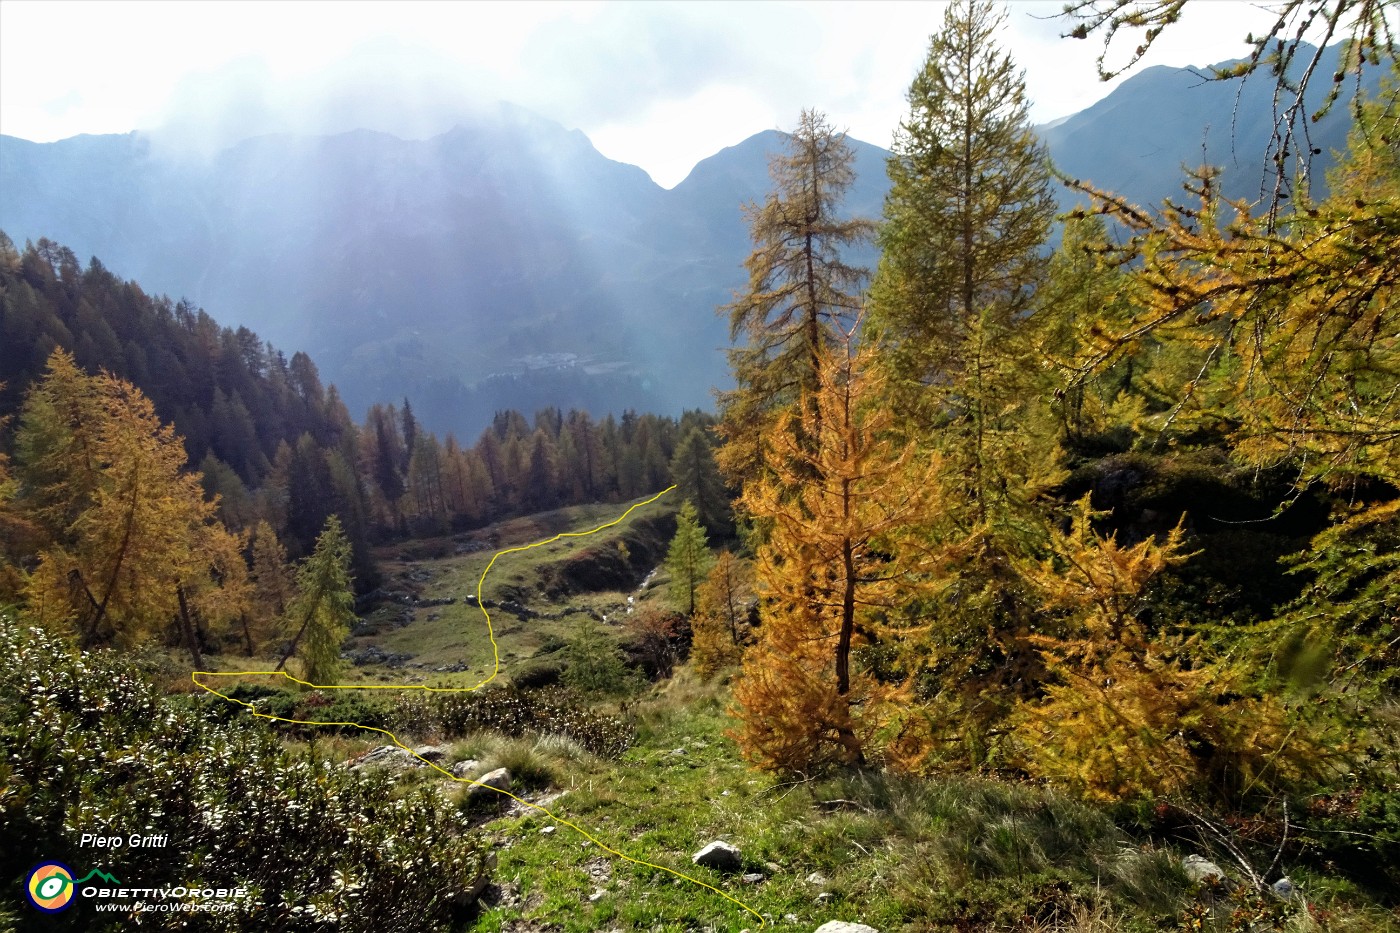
pixel 1132 712
pixel 1296 324
pixel 596 665
pixel 273 590
pixel 697 479
pixel 688 559
pixel 323 609
pixel 127 529
pixel 845 504
pixel 1084 293
pixel 802 292
pixel 17 532
pixel 720 627
pixel 218 599
pixel 968 208
pixel 1334 652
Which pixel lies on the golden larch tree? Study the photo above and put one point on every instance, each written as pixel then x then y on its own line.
pixel 1129 711
pixel 127 526
pixel 846 507
pixel 721 613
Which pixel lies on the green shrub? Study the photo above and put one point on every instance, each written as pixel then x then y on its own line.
pixel 1356 830
pixel 343 707
pixel 513 712
pixel 279 703
pixel 596 663
pixel 92 747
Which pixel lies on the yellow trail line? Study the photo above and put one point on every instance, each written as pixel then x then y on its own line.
pixel 495 651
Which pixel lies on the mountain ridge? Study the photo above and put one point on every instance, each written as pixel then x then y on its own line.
pixel 446 269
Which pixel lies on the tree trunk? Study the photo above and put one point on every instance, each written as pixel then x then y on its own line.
pixel 292 648
pixel 75 579
pixel 187 626
pixel 848 619
pixel 855 755
pixel 733 611
pixel 101 609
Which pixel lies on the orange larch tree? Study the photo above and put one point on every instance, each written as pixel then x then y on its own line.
pixel 127 527
pixel 847 510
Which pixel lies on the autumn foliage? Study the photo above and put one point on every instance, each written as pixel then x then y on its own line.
pixel 128 548
pixel 1124 520
pixel 130 534
pixel 721 624
pixel 844 551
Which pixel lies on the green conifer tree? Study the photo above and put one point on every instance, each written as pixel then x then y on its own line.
pixel 688 559
pixel 697 480
pixel 323 607
pixel 596 664
pixel 968 209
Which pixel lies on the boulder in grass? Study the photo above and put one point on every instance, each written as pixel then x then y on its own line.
pixel 720 856
pixel 1202 870
pixel 433 753
pixel 489 783
pixel 387 757
pixel 841 926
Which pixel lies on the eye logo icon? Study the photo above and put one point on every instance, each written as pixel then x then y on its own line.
pixel 50 887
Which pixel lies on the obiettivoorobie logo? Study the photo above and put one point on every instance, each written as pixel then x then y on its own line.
pixel 51 885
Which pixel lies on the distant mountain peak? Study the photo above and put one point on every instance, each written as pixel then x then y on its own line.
pixel 434 267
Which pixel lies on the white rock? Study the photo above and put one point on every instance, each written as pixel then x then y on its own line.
pixel 720 856
pixel 498 779
pixel 841 926
pixel 433 753
pixel 386 756
pixel 1201 870
pixel 818 879
pixel 464 769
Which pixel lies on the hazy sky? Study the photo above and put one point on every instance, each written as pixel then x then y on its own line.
pixel 660 85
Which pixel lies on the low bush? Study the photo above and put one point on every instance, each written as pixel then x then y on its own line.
pixel 91 746
pixel 340 710
pixel 513 712
pixel 530 767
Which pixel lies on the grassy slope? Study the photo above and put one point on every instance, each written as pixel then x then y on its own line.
pixel 956 854
pixel 959 853
pixel 440 636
